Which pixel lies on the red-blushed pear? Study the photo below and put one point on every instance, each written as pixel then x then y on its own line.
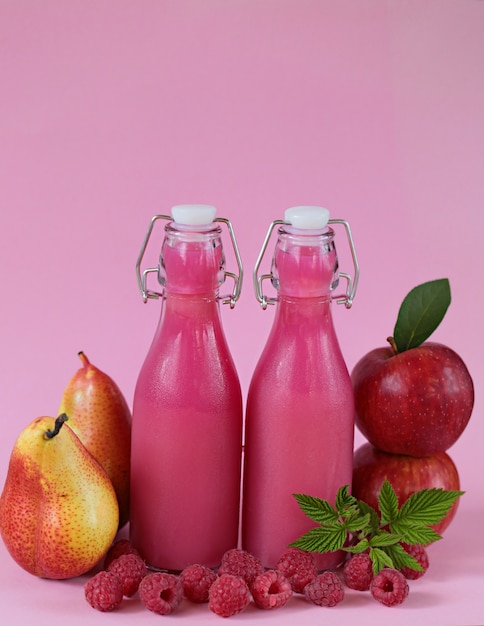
pixel 414 397
pixel 407 475
pixel 58 509
pixel 100 417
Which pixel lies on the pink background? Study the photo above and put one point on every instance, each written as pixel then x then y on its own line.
pixel 113 110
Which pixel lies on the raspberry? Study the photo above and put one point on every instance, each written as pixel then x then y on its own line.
pixel 420 554
pixel 298 566
pixel 271 590
pixel 241 563
pixel 358 572
pixel 104 591
pixel 228 595
pixel 160 592
pixel 389 587
pixel 122 546
pixel 197 580
pixel 130 568
pixel 325 590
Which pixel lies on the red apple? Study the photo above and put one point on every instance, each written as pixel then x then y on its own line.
pixel 415 402
pixel 407 474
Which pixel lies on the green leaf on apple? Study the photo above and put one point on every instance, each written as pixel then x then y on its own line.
pixel 352 525
pixel 420 313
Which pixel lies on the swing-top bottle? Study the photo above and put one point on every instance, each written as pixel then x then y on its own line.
pixel 299 417
pixel 187 412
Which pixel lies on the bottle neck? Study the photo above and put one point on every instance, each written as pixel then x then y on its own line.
pixel 192 262
pixel 305 265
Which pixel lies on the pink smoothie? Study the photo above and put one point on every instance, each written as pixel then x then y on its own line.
pixel 299 422
pixel 187 422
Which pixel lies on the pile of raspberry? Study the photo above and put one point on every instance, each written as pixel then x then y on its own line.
pixel 241 578
pixel 389 586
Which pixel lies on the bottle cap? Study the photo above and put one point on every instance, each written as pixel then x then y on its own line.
pixel 307 217
pixel 193 214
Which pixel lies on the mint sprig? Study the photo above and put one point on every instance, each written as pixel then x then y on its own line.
pixel 354 526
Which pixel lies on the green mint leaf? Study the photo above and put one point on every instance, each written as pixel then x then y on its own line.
pixel 318 510
pixel 427 507
pixel 344 500
pixel 374 521
pixel 420 313
pixel 328 538
pixel 401 558
pixel 415 534
pixel 387 503
pixel 354 526
pixel 357 522
pixel 359 547
pixel 383 539
pixel 380 559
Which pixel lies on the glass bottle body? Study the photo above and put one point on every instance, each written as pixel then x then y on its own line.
pixel 187 419
pixel 299 418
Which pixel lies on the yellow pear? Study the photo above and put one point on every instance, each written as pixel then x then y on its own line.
pixel 58 509
pixel 100 417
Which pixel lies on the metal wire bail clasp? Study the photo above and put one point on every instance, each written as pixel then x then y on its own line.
pixel 352 283
pixel 258 280
pixel 143 275
pixel 237 278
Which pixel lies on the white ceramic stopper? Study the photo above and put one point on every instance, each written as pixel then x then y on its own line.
pixel 307 217
pixel 193 214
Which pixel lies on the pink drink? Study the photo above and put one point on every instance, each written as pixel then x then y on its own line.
pixel 299 422
pixel 187 417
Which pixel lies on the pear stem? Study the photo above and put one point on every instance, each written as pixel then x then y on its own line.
pixel 57 426
pixel 84 359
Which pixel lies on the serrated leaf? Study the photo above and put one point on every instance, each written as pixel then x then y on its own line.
pixel 317 509
pixel 328 538
pixel 344 500
pixel 382 539
pixel 401 558
pixel 374 520
pixel 357 522
pixel 359 547
pixel 387 503
pixel 415 534
pixel 427 507
pixel 420 313
pixel 380 559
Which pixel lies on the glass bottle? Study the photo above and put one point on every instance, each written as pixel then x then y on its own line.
pixel 299 418
pixel 187 411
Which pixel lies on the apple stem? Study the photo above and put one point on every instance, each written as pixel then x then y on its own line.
pixel 57 426
pixel 393 345
pixel 84 359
